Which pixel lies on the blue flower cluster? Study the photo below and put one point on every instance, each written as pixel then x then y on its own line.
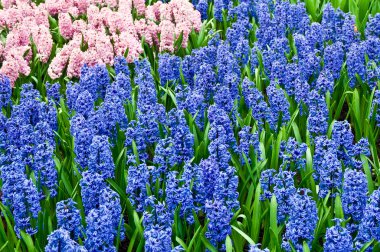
pixel 26 158
pixel 368 227
pixel 338 238
pixel 303 219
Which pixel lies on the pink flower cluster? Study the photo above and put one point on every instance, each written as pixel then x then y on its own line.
pixel 109 30
pixel 26 23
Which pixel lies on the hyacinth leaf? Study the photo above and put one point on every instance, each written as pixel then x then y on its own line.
pixel 338 209
pixel 244 235
pixel 276 150
pixel 28 241
pixel 339 107
pixel 311 8
pixel 296 132
pixel 2 248
pixel 133 239
pixel 4 240
pixel 66 182
pixel 274 230
pixel 273 215
pixel 366 245
pixel 250 197
pixel 181 242
pixel 228 242
pixel 10 231
pixel 367 171
pixel 324 213
pixel 306 179
pixel 194 238
pixel 207 244
pixel 305 247
pixel 364 7
pixel 256 215
pixel 290 123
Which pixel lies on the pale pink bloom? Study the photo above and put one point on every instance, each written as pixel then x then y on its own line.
pixel 126 40
pixel 183 12
pixel 79 26
pixel 139 6
pixel 96 2
pixel 7 3
pixel 185 30
pixel 9 69
pixel 15 64
pixel 94 17
pixel 1 51
pixel 92 57
pixel 104 48
pixel 167 36
pixel 74 11
pixel 75 63
pixel 82 5
pixel 57 6
pixel 166 12
pixel 17 37
pixel 65 25
pixel 12 17
pixel 59 62
pixel 109 30
pixel 112 3
pixel 116 21
pixel 43 41
pixel 149 30
pixel 3 19
pixel 41 16
pixel 89 36
pixel 125 7
pixel 153 11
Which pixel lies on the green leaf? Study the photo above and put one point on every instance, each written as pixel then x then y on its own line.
pixel 194 238
pixel 256 216
pixel 249 240
pixel 181 242
pixel 273 214
pixel 305 247
pixel 208 244
pixel 66 182
pixel 338 208
pixel 228 244
pixel 28 241
pixel 366 245
pixel 367 171
pixel 3 247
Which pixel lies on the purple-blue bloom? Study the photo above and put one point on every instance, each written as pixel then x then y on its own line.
pixel 303 219
pixel 69 218
pixel 356 65
pixel 369 225
pixel 338 239
pixel 84 104
pixel 284 190
pixel 334 58
pixel 168 68
pixel 5 91
pixel 91 185
pixel 100 159
pixel 354 196
pixel 138 178
pixel 60 240
pixel 100 233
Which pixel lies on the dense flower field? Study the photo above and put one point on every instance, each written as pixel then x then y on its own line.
pixel 219 125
